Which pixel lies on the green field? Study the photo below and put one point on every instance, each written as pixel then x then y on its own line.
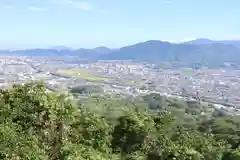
pixel 130 82
pixel 81 73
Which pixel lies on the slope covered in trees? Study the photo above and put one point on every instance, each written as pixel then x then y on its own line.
pixel 38 125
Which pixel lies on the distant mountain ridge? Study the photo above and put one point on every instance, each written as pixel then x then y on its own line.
pixel 200 51
pixel 199 41
pixel 60 51
pixel 213 54
pixel 61 47
pixel 208 41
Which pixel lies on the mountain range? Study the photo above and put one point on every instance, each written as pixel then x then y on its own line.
pixel 200 51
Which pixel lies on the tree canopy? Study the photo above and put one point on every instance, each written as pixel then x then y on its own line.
pixel 38 125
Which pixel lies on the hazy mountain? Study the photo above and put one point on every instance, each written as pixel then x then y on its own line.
pixel 60 51
pixel 200 41
pixel 91 53
pixel 103 50
pixel 61 47
pixel 200 51
pixel 233 42
pixel 212 54
pixel 208 41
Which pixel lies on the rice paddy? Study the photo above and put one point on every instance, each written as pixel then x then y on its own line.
pixel 82 73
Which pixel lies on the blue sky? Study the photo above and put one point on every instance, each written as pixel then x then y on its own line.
pixel 114 23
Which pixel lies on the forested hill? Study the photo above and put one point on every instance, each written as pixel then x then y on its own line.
pixel 38 125
pixel 213 54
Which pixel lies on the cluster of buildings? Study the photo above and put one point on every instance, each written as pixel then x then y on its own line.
pixel 211 85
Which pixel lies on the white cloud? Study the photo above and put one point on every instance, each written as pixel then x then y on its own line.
pixel 170 41
pixel 187 39
pixel 7 7
pixel 75 3
pixel 78 4
pixel 36 9
pixel 29 8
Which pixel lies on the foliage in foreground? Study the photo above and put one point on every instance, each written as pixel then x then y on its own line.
pixel 37 125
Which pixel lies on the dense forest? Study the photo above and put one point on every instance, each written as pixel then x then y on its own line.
pixel 40 125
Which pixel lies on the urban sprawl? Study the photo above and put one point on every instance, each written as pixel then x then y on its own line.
pixel 220 87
